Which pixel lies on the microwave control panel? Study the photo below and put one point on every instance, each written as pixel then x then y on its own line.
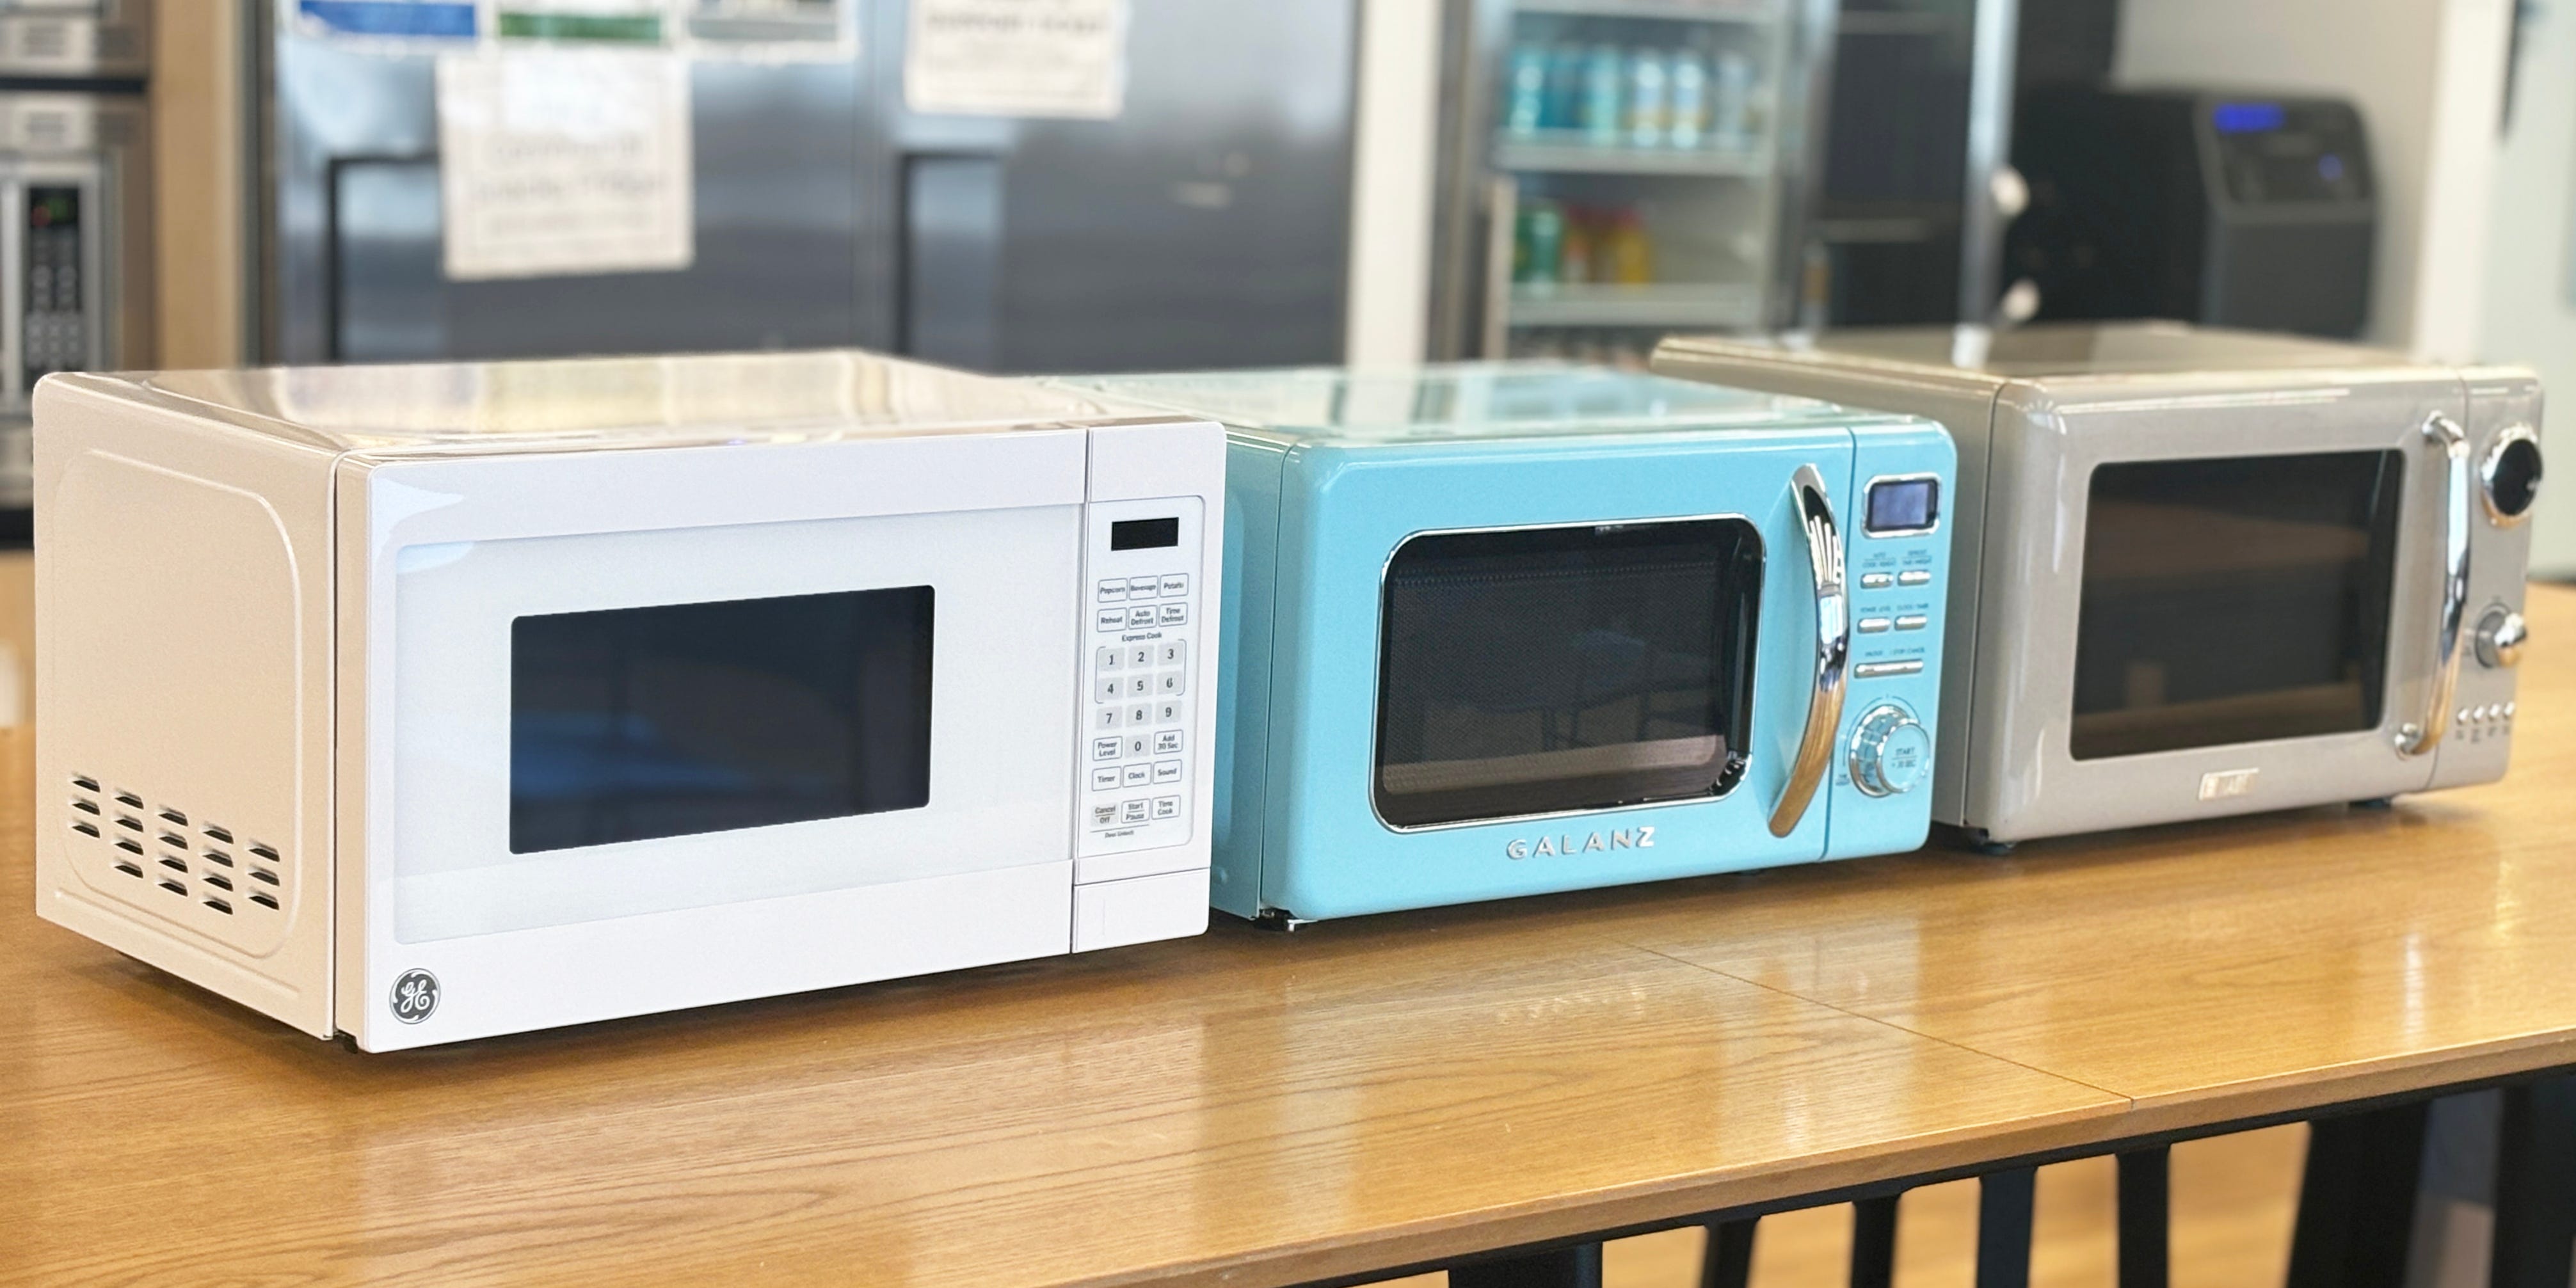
pixel 1145 614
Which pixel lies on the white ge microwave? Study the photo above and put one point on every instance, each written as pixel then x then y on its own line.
pixel 2200 572
pixel 426 703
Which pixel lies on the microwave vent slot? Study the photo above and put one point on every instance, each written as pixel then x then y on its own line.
pixel 185 842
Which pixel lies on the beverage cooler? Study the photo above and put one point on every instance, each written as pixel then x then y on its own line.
pixel 1615 169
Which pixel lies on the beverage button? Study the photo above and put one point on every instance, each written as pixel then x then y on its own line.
pixel 1136 775
pixel 1912 622
pixel 1167 742
pixel 1141 587
pixel 1870 625
pixel 1132 811
pixel 1166 712
pixel 1104 749
pixel 1175 584
pixel 1104 780
pixel 1140 616
pixel 1167 807
pixel 1167 771
pixel 1176 614
pixel 1112 619
pixel 1113 590
pixel 1914 577
pixel 1876 580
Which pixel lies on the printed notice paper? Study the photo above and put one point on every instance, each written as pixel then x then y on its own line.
pixel 564 161
pixel 1017 57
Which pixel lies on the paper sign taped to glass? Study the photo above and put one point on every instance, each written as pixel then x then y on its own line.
pixel 1053 58
pixel 562 161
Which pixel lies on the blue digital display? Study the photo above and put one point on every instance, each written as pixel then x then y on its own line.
pixel 1906 505
pixel 2247 118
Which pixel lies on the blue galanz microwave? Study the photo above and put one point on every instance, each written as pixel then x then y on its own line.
pixel 1504 629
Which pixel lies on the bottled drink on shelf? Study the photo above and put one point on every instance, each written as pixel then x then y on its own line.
pixel 1623 253
pixel 1538 241
pixel 1688 127
pixel 1731 101
pixel 1649 97
pixel 1525 106
pixel 1574 257
pixel 1565 61
pixel 1602 98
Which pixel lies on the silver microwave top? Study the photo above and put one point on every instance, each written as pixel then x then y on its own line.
pixel 1982 355
pixel 477 408
pixel 1467 401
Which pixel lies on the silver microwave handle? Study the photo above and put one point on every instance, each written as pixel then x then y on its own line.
pixel 1833 648
pixel 2422 737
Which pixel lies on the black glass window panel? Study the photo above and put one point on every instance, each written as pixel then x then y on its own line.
pixel 680 719
pixel 2234 600
pixel 1540 670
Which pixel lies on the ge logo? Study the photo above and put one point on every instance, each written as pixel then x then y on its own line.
pixel 415 996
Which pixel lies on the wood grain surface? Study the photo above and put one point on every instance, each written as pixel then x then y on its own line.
pixel 1251 1108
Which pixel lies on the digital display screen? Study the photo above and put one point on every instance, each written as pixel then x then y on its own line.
pixel 2247 118
pixel 1907 505
pixel 1144 534
pixel 629 724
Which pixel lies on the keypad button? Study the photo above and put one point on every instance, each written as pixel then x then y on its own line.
pixel 1165 713
pixel 1140 655
pixel 1142 587
pixel 1141 714
pixel 1914 577
pixel 1110 658
pixel 1105 814
pixel 1110 688
pixel 1139 686
pixel 1172 653
pixel 1109 717
pixel 1167 742
pixel 1104 748
pixel 1167 807
pixel 1175 584
pixel 1136 775
pixel 1176 614
pixel 1912 622
pixel 1170 684
pixel 1103 780
pixel 1167 771
pixel 1140 617
pixel 1113 590
pixel 1112 619
pixel 1136 744
pixel 1133 811
pixel 1877 580
pixel 1870 625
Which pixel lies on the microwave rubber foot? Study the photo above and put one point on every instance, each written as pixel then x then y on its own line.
pixel 1279 919
pixel 2376 802
pixel 1985 844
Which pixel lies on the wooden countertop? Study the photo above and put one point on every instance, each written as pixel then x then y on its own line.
pixel 1251 1108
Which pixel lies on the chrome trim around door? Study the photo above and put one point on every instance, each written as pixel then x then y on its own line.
pixel 2421 737
pixel 1833 648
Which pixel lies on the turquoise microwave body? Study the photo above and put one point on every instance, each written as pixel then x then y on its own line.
pixel 1504 629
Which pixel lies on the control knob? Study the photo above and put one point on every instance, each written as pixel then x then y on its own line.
pixel 1890 751
pixel 2500 637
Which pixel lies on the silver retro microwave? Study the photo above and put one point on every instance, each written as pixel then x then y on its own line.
pixel 2201 572
pixel 425 703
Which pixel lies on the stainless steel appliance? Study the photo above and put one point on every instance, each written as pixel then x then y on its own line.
pixel 1209 217
pixel 497 697
pixel 76 274
pixel 2201 572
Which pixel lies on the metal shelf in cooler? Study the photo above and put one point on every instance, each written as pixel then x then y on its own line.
pixel 1528 156
pixel 1673 10
pixel 1657 304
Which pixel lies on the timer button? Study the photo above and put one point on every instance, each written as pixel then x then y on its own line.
pixel 1890 751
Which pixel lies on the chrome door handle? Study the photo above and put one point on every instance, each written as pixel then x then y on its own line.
pixel 1833 649
pixel 2421 738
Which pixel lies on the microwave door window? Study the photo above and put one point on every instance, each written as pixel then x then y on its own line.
pixel 1536 671
pixel 2234 600
pixel 630 724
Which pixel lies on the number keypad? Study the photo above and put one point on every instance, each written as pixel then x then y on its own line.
pixel 1140 681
